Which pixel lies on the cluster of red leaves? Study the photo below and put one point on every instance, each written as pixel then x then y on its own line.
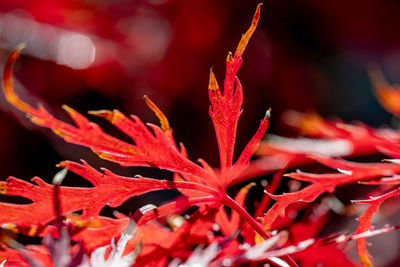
pixel 89 239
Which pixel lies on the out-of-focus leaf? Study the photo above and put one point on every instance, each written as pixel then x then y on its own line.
pixel 365 223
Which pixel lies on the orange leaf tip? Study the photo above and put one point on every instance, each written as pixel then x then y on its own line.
pixel 83 223
pixel 3 187
pixel 229 57
pixel 386 94
pixel 106 114
pixel 246 37
pixel 10 95
pixel 160 115
pixel 365 261
pixel 376 76
pixel 248 186
pixel 67 108
pixel 212 85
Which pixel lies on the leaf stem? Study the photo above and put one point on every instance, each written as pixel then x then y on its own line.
pixel 228 201
pixel 247 217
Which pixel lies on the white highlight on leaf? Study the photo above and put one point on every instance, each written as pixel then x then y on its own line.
pixel 257 250
pixel 97 258
pixel 341 238
pixel 334 204
pixel 397 161
pixel 199 258
pixel 279 262
pixel 323 147
pixel 59 177
pixel 263 251
pixel 345 171
pixel 369 233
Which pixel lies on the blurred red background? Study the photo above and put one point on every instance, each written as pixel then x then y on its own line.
pixel 305 55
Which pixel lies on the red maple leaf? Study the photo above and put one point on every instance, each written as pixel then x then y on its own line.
pixel 330 138
pixel 349 172
pixel 152 146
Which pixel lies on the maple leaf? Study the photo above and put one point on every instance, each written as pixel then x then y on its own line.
pixel 110 189
pixel 329 138
pixel 349 172
pixel 153 146
pixel 361 138
pixel 157 149
pixel 193 231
